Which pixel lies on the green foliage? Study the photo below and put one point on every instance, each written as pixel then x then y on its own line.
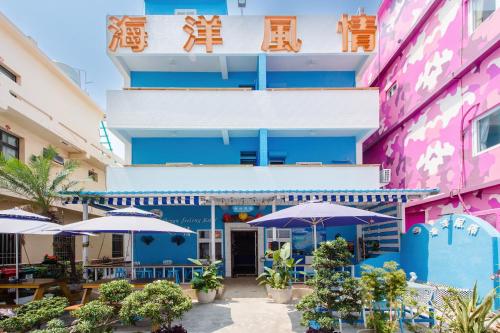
pixel 383 287
pixel 281 274
pixel 54 326
pixel 95 316
pixel 161 301
pixel 469 314
pixel 35 180
pixel 34 313
pixel 115 291
pixel 208 279
pixel 334 291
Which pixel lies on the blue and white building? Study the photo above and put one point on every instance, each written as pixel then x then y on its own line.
pixel 215 139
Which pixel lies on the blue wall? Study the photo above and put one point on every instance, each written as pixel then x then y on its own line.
pixel 194 150
pixel 213 151
pixel 453 256
pixel 191 79
pixel 203 7
pixel 311 79
pixel 314 149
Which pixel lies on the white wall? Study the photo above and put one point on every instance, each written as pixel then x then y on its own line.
pixel 293 109
pixel 241 178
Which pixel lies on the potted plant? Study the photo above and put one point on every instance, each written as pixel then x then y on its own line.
pixel 278 279
pixel 161 301
pixel 207 282
pixel 336 294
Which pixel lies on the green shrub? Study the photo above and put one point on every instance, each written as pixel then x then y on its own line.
pixel 54 326
pixel 334 290
pixel 161 301
pixel 94 316
pixel 34 314
pixel 383 287
pixel 115 291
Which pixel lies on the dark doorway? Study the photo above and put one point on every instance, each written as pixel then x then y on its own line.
pixel 244 253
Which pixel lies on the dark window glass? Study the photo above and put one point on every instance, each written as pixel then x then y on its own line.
pixel 248 158
pixel 117 246
pixel 7 249
pixel 64 247
pixel 9 144
pixel 8 73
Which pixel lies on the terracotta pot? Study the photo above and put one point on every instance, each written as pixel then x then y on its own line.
pixel 282 296
pixel 206 297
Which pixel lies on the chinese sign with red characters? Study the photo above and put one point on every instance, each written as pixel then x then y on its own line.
pixel 280 33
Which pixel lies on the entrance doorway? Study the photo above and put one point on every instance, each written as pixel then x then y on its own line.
pixel 243 252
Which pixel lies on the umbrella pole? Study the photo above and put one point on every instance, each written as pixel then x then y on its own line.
pixel 315 240
pixel 132 255
pixel 17 267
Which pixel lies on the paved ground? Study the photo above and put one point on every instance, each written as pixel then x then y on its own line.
pixel 244 308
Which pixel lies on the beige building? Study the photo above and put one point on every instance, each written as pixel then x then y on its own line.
pixel 41 105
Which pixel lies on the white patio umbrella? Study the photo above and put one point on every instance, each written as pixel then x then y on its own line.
pixel 127 220
pixel 18 222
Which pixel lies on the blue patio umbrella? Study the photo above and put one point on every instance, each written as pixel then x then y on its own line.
pixel 311 214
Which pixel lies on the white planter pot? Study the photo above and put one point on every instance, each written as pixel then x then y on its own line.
pixel 268 291
pixel 282 296
pixel 220 293
pixel 206 297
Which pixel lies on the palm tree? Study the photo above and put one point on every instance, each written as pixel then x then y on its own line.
pixel 37 182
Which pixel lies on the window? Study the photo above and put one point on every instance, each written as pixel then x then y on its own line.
pixel 9 144
pixel 487 130
pixel 7 249
pixel 282 236
pixel 182 11
pixel 392 90
pixel 480 10
pixel 117 246
pixel 11 75
pixel 64 247
pixel 248 158
pixel 93 175
pixel 204 244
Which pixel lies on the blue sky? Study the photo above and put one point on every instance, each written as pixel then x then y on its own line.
pixel 73 31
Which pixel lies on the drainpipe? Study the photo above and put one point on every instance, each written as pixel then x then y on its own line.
pixel 273 209
pixel 85 245
pixel 212 231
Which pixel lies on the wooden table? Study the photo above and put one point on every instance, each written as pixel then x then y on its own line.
pixel 40 286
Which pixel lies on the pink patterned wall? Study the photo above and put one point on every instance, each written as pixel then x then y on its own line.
pixel 445 78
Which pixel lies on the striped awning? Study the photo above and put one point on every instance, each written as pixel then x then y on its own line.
pixel 349 198
pixel 142 199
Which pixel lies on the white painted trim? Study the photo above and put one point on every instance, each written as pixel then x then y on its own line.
pixel 223 67
pixel 228 227
pixel 475 133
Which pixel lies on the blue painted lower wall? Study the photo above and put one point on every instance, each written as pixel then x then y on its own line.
pixel 453 256
pixel 311 79
pixel 192 80
pixel 194 150
pixel 327 150
pixel 168 7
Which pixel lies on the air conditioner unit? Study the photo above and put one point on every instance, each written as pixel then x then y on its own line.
pixel 309 163
pixel 385 176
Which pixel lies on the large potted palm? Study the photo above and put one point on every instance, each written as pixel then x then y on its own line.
pixel 278 279
pixel 39 182
pixel 206 282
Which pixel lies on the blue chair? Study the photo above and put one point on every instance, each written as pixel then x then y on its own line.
pixel 144 273
pixel 173 274
pixel 120 273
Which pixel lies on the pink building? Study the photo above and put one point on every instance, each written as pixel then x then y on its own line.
pixel 438 69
